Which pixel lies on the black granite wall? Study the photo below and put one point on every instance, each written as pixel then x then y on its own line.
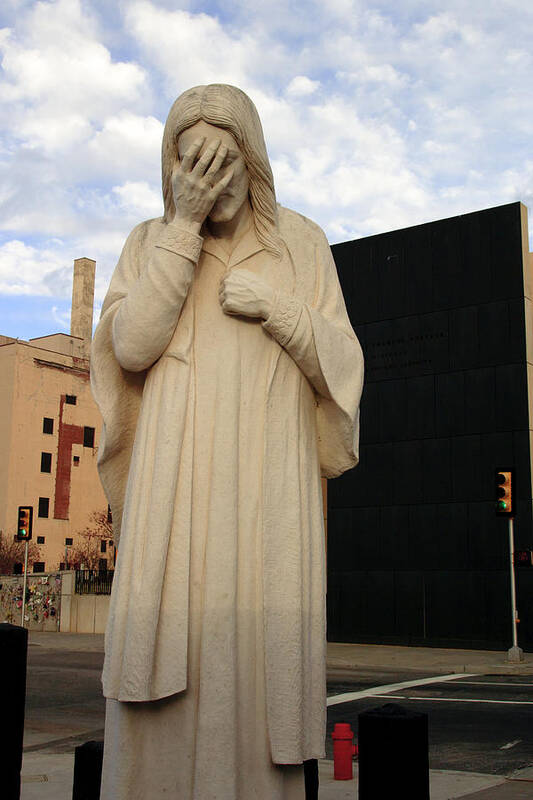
pixel 416 554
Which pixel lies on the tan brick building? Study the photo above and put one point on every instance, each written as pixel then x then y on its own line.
pixel 49 432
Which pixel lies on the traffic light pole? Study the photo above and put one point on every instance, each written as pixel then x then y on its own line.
pixel 514 653
pixel 25 581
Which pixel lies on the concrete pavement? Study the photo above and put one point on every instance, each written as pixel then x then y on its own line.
pixel 47 775
pixel 79 642
pixel 439 661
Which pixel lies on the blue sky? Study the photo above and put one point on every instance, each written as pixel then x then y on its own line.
pixel 377 115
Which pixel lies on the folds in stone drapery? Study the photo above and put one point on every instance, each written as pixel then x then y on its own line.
pixel 306 432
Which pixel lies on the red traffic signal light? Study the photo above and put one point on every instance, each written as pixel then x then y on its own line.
pixel 25 523
pixel 523 558
pixel 504 492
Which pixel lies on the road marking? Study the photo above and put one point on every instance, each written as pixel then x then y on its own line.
pixel 510 744
pixel 455 699
pixel 34 778
pixel 76 738
pixel 494 683
pixel 347 697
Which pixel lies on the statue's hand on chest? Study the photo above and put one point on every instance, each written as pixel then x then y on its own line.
pixel 245 293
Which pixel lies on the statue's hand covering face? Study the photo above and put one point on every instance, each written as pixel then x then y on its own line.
pixel 228 377
pixel 235 194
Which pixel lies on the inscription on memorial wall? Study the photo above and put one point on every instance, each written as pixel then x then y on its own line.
pixel 403 355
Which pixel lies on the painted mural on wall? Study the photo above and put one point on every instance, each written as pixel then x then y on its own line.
pixel 43 601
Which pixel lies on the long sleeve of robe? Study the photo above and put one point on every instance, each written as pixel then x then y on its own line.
pixel 306 401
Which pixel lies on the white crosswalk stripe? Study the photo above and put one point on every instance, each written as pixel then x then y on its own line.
pixel 378 691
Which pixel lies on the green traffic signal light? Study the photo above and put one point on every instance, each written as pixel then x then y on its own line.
pixel 24 525
pixel 504 493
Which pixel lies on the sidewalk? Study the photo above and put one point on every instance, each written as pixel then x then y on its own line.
pixel 79 642
pixel 438 661
pixel 443 785
pixel 49 777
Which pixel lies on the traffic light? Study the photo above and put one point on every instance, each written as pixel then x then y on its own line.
pixel 25 523
pixel 523 558
pixel 504 492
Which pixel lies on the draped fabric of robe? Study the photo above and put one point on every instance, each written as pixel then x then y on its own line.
pixel 217 429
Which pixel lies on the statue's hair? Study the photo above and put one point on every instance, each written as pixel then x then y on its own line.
pixel 230 108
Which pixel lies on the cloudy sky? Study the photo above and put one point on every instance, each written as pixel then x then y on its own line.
pixel 377 115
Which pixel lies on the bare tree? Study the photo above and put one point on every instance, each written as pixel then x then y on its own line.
pixel 12 552
pixel 87 550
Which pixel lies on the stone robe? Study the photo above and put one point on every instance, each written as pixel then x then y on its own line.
pixel 217 429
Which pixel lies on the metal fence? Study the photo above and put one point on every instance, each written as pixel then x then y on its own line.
pixel 94 581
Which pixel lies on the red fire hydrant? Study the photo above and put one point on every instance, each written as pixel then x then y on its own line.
pixel 343 751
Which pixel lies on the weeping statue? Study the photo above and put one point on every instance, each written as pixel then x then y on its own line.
pixel 229 378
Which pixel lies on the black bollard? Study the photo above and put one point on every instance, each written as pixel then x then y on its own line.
pixel 14 649
pixel 311 779
pixel 88 759
pixel 393 753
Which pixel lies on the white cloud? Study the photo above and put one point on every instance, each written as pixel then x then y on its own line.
pixel 55 61
pixel 28 270
pixel 375 73
pixel 438 27
pixel 127 145
pixel 190 49
pixel 375 116
pixel 139 198
pixel 75 124
pixel 302 86
pixel 62 318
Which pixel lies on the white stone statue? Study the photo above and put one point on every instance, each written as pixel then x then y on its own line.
pixel 228 377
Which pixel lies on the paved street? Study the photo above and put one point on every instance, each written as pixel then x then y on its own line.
pixel 479 724
pixel 476 724
pixel 63 697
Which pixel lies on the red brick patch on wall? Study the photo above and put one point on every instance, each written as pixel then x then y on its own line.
pixel 67 436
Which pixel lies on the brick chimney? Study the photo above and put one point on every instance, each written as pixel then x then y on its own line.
pixel 81 314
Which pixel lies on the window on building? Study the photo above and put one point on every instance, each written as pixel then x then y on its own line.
pixel 103 546
pixel 61 566
pixel 46 462
pixel 40 540
pixel 68 541
pixel 44 506
pixel 88 437
pixel 38 566
pixel 76 461
pixel 17 568
pixel 48 425
pixel 109 515
pixel 71 399
pixel 102 564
